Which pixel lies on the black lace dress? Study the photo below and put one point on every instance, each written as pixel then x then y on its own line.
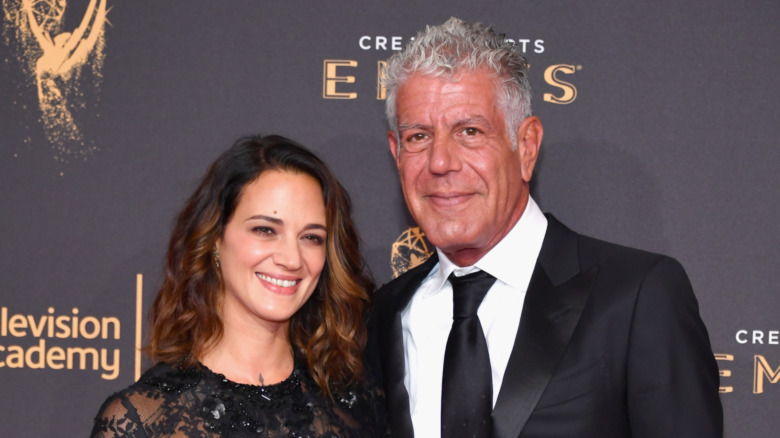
pixel 195 402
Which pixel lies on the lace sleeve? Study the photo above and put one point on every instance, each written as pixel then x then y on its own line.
pixel 372 411
pixel 117 418
pixel 379 403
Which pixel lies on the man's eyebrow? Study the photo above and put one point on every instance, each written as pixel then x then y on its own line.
pixel 474 120
pixel 404 127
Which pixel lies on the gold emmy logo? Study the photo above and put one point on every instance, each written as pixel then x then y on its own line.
pixel 56 60
pixel 410 249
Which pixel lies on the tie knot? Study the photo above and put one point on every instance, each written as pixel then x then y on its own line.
pixel 468 292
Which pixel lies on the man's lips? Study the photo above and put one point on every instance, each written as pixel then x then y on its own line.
pixel 448 199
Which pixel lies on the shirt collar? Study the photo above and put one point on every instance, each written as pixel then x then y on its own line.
pixel 511 261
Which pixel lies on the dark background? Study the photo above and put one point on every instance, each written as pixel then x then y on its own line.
pixel 670 145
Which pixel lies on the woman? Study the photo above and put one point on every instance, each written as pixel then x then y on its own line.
pixel 259 325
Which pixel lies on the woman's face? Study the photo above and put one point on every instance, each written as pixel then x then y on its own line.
pixel 273 249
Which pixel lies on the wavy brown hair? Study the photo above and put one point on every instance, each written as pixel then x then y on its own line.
pixel 329 330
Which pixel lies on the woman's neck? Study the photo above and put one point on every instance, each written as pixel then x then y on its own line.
pixel 253 355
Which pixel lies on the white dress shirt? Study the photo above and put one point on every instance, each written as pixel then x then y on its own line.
pixel 427 319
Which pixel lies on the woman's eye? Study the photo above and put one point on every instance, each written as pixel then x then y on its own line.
pixel 263 230
pixel 314 238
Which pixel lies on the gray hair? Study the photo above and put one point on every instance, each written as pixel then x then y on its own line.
pixel 456 47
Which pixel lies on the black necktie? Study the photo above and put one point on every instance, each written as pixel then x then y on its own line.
pixel 467 388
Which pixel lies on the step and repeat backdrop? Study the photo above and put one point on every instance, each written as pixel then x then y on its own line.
pixel 660 132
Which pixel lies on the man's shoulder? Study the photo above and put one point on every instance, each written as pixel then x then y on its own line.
pixel 626 261
pixel 596 251
pixel 413 275
pixel 600 248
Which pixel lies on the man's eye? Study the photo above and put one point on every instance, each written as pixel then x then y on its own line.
pixel 471 131
pixel 417 137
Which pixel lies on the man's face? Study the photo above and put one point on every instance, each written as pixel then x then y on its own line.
pixel 463 182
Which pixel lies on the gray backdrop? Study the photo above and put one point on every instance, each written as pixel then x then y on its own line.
pixel 669 143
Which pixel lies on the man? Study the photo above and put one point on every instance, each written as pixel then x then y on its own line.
pixel 585 338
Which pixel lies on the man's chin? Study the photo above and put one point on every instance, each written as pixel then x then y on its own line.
pixel 446 240
pixel 450 243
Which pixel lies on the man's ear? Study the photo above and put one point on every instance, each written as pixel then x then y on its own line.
pixel 529 140
pixel 394 144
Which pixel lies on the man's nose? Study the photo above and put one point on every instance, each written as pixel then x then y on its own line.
pixel 443 156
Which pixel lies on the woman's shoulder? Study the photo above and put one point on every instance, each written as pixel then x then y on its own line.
pixel 160 381
pixel 129 412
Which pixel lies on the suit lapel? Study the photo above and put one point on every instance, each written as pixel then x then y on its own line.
pixel 553 304
pixel 397 296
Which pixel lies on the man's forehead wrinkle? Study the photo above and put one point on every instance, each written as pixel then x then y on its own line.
pixel 478 119
pixel 427 102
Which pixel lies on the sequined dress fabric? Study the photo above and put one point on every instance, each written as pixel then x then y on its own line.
pixel 169 401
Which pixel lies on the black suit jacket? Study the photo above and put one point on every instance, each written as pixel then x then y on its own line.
pixel 610 344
